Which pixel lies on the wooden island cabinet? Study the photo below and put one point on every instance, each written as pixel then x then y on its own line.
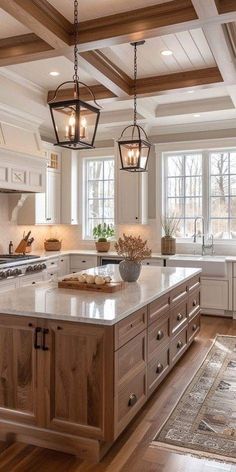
pixel 75 386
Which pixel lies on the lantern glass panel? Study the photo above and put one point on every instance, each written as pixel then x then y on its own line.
pixel 134 155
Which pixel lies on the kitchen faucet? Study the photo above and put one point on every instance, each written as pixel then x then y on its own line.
pixel 204 246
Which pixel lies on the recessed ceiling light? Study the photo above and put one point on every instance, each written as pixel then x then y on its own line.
pixel 54 73
pixel 167 52
pixel 196 115
pixel 190 91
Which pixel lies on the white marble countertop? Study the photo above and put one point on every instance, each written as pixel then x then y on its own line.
pixel 46 300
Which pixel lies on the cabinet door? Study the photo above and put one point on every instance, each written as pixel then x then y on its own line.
pixel 19 395
pixel 64 266
pixel 80 379
pixel 31 279
pixel 214 294
pixel 53 197
pixel 8 285
pixel 132 198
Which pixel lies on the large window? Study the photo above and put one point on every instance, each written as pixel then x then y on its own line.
pixel 202 184
pixel 99 193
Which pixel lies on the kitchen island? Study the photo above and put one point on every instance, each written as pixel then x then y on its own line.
pixel 76 367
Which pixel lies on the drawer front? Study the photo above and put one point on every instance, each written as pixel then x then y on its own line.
pixel 157 369
pixel 82 262
pixel 129 400
pixel 178 294
pixel 129 327
pixel 194 327
pixel 178 346
pixel 129 358
pixel 158 335
pixel 194 303
pixel 178 317
pixel 157 308
pixel 194 283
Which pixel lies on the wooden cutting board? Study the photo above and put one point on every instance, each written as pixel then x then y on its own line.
pixel 106 288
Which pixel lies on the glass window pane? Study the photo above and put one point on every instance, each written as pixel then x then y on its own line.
pixel 193 164
pixel 109 169
pixel 175 166
pixel 233 229
pixel 175 187
pixel 95 189
pixel 219 163
pixel 95 208
pixel 189 228
pixel 109 188
pixel 95 170
pixel 219 207
pixel 109 208
pixel 175 207
pixel 219 228
pixel 233 207
pixel 233 162
pixel 193 186
pixel 219 185
pixel 233 185
pixel 193 207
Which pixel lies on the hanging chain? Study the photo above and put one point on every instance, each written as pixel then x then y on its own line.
pixel 135 83
pixel 76 28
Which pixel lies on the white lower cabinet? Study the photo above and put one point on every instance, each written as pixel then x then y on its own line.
pixel 8 285
pixel 153 262
pixel 31 279
pixel 80 262
pixel 64 266
pixel 214 294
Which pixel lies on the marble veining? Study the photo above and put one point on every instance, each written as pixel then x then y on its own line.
pixel 46 300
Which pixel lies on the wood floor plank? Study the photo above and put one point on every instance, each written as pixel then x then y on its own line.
pixel 132 452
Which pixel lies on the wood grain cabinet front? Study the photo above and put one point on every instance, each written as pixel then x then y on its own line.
pixel 129 327
pixel 157 369
pixel 178 346
pixel 194 303
pixel 178 317
pixel 130 358
pixel 193 328
pixel 158 335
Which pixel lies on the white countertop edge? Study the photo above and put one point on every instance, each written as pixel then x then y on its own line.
pixel 96 321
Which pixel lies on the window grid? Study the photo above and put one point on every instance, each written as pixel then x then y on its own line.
pixel 91 221
pixel 207 194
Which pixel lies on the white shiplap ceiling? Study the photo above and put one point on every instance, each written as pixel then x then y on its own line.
pixel 190 51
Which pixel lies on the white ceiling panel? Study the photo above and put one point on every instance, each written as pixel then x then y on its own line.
pixel 38 72
pixel 91 9
pixel 190 51
pixel 10 27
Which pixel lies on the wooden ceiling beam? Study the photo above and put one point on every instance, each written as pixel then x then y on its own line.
pixel 42 19
pixel 225 6
pixel 100 92
pixel 23 48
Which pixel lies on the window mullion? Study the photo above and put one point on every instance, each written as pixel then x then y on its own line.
pixel 206 188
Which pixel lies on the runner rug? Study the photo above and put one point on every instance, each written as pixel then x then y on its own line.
pixel 204 420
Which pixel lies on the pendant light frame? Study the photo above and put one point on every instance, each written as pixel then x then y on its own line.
pixel 134 146
pixel 75 108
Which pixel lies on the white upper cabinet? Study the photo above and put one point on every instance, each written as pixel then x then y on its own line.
pixel 70 186
pixel 131 196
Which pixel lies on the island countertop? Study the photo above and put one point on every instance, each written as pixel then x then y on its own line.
pixel 46 300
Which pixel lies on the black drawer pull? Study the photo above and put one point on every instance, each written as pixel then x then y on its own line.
pixel 160 335
pixel 194 327
pixel 59 328
pixel 36 332
pixel 194 302
pixel 45 331
pixel 132 399
pixel 159 368
pixel 179 344
pixel 84 262
pixel 180 317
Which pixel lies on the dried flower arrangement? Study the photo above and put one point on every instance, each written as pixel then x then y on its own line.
pixel 170 225
pixel 132 248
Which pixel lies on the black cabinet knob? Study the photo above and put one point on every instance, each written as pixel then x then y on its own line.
pixel 179 317
pixel 179 344
pixel 194 302
pixel 159 368
pixel 194 327
pixel 132 399
pixel 160 335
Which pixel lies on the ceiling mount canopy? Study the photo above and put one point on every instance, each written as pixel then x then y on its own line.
pixel 75 121
pixel 134 146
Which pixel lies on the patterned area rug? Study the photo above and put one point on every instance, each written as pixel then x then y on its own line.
pixel 204 420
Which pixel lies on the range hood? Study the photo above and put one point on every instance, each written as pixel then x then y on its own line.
pixel 22 160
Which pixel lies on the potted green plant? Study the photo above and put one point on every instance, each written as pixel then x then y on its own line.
pixel 133 250
pixel 168 241
pixel 101 233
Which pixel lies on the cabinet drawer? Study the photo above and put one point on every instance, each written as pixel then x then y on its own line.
pixel 178 345
pixel 80 262
pixel 129 327
pixel 129 358
pixel 158 335
pixel 129 400
pixel 157 308
pixel 194 303
pixel 194 327
pixel 178 294
pixel 194 283
pixel 157 369
pixel 178 317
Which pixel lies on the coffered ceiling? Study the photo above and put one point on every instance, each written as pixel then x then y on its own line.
pixel 199 76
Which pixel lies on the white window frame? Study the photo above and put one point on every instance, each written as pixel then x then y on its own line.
pixel 205 182
pixel 103 158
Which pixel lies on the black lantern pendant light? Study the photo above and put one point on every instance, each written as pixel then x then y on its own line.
pixel 134 146
pixel 75 121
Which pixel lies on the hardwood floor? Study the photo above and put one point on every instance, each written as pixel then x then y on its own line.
pixel 132 451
